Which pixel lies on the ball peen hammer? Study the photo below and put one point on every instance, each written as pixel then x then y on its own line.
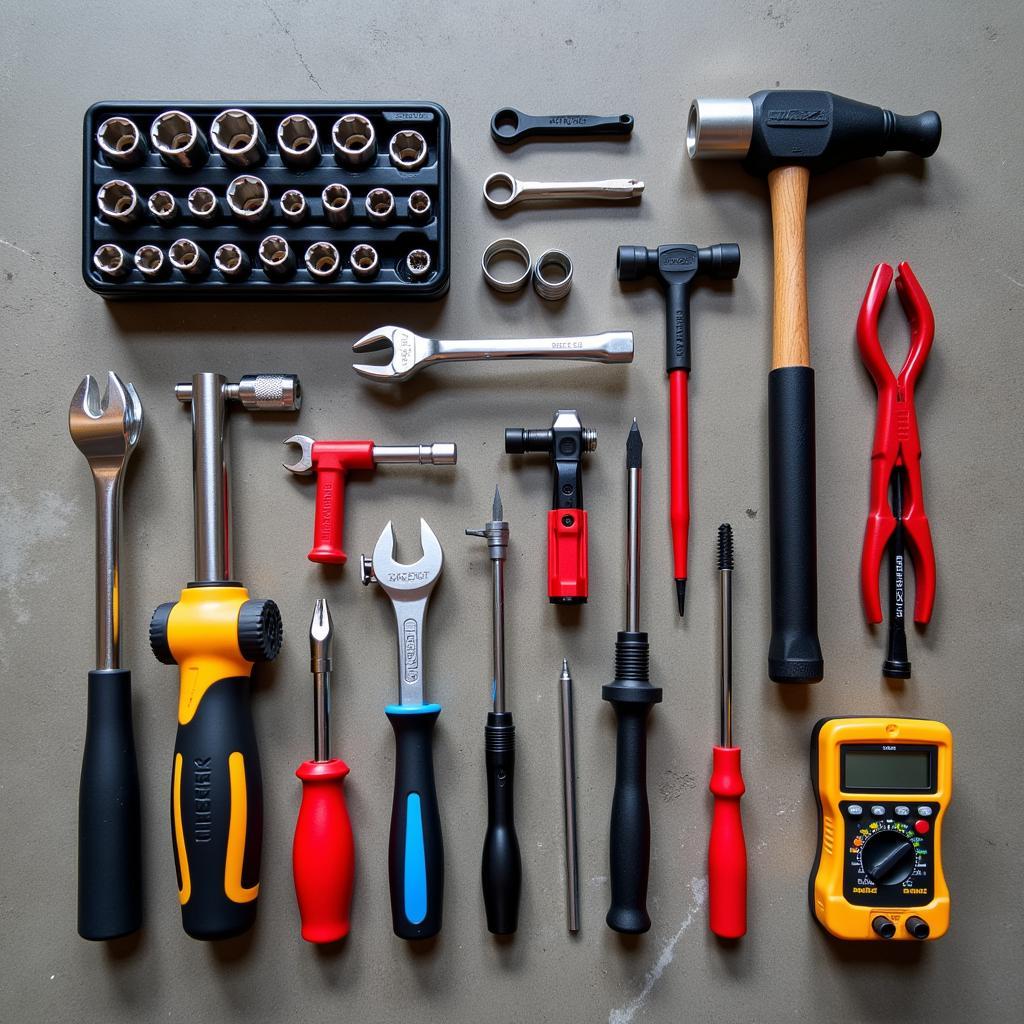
pixel 786 135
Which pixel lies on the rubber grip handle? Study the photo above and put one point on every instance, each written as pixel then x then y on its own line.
pixel 217 813
pixel 323 853
pixel 677 325
pixel 794 653
pixel 727 851
pixel 329 516
pixel 109 829
pixel 415 845
pixel 568 573
pixel 501 868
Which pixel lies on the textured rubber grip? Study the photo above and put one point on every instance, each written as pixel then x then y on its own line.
pixel 217 813
pixel 109 831
pixel 727 851
pixel 501 868
pixel 323 853
pixel 415 846
pixel 794 653
pixel 329 517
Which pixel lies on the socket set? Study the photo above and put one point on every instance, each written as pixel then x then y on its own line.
pixel 282 200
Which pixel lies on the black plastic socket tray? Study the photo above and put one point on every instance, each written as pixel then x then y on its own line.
pixel 393 241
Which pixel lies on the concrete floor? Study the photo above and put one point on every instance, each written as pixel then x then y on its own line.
pixel 956 218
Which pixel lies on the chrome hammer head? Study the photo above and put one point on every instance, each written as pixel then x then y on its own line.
pixel 409 587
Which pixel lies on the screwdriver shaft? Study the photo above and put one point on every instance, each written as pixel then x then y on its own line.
pixel 725 636
pixel 572 874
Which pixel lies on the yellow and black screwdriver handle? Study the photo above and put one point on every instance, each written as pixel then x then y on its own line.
pixel 215 634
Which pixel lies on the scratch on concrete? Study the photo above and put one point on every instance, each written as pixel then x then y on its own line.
pixel 1012 280
pixel 698 897
pixel 17 248
pixel 298 53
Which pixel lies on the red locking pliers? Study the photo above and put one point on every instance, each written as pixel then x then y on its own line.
pixel 897 444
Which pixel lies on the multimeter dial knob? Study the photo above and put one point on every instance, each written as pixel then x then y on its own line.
pixel 888 858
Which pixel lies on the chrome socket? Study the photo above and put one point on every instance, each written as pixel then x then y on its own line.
pixel 408 150
pixel 248 199
pixel 552 275
pixel 111 261
pixel 364 262
pixel 380 205
pixel 420 206
pixel 187 257
pixel 337 202
pixel 202 204
pixel 506 247
pixel 418 264
pixel 163 207
pixel 297 142
pixel 293 206
pixel 121 142
pixel 354 141
pixel 178 140
pixel 238 138
pixel 232 262
pixel 276 257
pixel 151 262
pixel 322 261
pixel 118 202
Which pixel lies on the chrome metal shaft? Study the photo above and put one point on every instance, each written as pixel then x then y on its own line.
pixel 212 507
pixel 634 487
pixel 725 636
pixel 572 873
pixel 321 633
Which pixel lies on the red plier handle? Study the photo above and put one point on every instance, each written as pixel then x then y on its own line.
pixel 897 441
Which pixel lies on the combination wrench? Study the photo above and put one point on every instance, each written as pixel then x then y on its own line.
pixel 501 190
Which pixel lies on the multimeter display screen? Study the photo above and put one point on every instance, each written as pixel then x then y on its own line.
pixel 879 770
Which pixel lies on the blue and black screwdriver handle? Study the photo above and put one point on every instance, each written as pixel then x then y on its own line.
pixel 215 633
pixel 415 846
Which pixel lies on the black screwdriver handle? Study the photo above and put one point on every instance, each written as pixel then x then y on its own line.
pixel 109 830
pixel 632 696
pixel 509 126
pixel 415 846
pixel 502 868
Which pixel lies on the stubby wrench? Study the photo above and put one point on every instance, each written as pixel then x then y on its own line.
pixel 411 352
pixel 106 432
pixel 415 848
pixel 501 190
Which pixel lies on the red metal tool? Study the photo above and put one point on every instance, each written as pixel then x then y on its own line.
pixel 897 443
pixel 332 461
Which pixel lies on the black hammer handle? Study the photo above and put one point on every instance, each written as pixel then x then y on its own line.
pixel 501 866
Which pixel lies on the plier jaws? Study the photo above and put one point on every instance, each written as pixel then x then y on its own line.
pixel 897 442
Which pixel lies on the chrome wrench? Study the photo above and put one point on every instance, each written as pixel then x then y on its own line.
pixel 501 190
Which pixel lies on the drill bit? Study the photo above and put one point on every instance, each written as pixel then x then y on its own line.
pixel 572 871
pixel 321 632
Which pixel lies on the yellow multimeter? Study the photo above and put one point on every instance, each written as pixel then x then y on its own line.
pixel 882 787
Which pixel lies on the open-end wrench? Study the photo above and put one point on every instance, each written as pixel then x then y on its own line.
pixel 415 848
pixel 106 432
pixel 501 190
pixel 411 352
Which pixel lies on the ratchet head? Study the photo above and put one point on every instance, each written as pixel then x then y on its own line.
pixel 106 430
pixel 408 353
pixel 403 583
pixel 304 465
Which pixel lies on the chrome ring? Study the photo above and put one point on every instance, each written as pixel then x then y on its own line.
pixel 546 287
pixel 502 247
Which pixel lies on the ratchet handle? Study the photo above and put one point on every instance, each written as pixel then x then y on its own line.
pixel 217 813
pixel 568 578
pixel 109 830
pixel 727 851
pixel 415 845
pixel 323 854
pixel 502 869
pixel 509 126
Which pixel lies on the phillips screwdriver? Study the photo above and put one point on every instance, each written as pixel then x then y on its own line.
pixel 323 854
pixel 727 852
pixel 572 860
pixel 501 869
pixel 632 696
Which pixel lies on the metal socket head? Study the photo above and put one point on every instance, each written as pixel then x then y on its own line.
pixel 231 261
pixel 364 261
pixel 719 129
pixel 276 256
pixel 118 202
pixel 419 206
pixel 408 150
pixel 337 202
pixel 293 206
pixel 418 264
pixel 178 140
pixel 121 142
pixel 322 261
pixel 202 203
pixel 187 257
pixel 162 206
pixel 552 275
pixel 248 199
pixel 238 138
pixel 151 261
pixel 354 141
pixel 380 205
pixel 111 261
pixel 297 141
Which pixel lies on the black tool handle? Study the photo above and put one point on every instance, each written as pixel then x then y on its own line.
pixel 502 868
pixel 677 325
pixel 217 813
pixel 415 846
pixel 109 829
pixel 630 841
pixel 794 653
pixel 509 126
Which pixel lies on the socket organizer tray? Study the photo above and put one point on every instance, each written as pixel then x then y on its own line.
pixel 267 200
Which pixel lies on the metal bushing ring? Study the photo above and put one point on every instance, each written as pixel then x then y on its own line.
pixel 546 285
pixel 503 247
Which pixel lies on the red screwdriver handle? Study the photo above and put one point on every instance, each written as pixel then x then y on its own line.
pixel 727 851
pixel 332 461
pixel 323 855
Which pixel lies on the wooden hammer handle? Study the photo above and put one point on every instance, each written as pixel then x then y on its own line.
pixel 790 341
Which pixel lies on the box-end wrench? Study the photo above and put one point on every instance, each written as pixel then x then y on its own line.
pixel 411 352
pixel 501 190
pixel 415 847
pixel 109 836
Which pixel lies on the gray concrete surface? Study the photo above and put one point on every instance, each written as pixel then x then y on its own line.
pixel 958 221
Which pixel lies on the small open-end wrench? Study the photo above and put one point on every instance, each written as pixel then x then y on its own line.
pixel 411 352
pixel 106 432
pixel 501 190
pixel 415 848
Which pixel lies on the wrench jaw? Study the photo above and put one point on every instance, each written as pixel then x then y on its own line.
pixel 106 428
pixel 409 352
pixel 304 465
